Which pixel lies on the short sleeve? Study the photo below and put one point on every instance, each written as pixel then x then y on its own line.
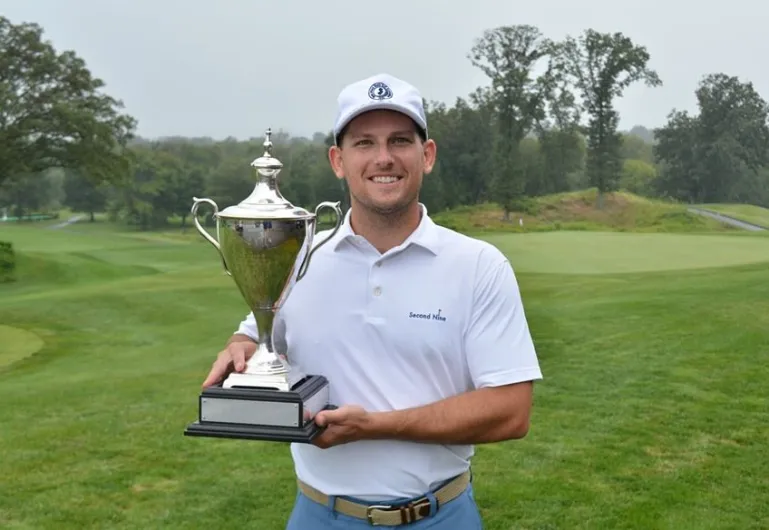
pixel 248 327
pixel 498 344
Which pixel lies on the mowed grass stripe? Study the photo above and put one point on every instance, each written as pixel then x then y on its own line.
pixel 653 412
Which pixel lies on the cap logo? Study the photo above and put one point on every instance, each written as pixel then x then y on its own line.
pixel 380 91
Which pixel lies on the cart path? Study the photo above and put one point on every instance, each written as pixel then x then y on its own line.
pixel 728 220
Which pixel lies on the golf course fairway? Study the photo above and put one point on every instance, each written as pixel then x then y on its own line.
pixel 653 412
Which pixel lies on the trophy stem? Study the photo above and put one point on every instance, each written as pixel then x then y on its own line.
pixel 266 361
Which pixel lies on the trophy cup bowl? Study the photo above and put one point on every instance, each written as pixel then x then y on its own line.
pixel 265 244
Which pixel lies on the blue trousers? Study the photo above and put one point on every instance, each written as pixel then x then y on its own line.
pixel 461 513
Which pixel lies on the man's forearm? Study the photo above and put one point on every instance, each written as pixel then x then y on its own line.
pixel 480 416
pixel 239 337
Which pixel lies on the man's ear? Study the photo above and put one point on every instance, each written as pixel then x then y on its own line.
pixel 430 150
pixel 335 159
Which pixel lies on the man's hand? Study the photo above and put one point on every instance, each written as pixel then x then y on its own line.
pixel 480 416
pixel 348 423
pixel 232 359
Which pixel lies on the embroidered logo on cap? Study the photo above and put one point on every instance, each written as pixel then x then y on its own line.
pixel 380 91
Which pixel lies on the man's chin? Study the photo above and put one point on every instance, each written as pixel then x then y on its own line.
pixel 388 207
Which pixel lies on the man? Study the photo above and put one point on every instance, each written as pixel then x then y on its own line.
pixel 420 331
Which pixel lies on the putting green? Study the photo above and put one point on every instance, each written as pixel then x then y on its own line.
pixel 621 252
pixel 16 344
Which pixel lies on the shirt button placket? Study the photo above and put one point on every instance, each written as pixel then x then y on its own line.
pixel 375 310
pixel 376 283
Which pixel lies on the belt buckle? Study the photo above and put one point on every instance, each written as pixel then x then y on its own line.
pixel 369 515
pixel 412 509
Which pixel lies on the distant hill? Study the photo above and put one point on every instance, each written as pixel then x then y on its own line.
pixel 577 211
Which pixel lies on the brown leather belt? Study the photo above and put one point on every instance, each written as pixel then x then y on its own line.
pixel 386 515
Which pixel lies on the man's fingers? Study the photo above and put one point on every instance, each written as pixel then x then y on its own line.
pixel 233 358
pixel 239 360
pixel 215 375
pixel 219 369
pixel 324 440
pixel 324 417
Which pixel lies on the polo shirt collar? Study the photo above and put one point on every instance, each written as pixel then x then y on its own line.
pixel 426 234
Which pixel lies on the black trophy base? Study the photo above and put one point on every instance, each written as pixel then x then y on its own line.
pixel 248 413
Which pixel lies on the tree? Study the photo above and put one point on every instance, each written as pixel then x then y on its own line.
pixel 464 135
pixel 677 153
pixel 82 194
pixel 733 134
pixel 52 113
pixel 637 177
pixel 25 194
pixel 719 155
pixel 601 66
pixel 509 55
pixel 561 145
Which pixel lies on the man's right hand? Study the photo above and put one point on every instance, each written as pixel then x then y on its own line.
pixel 232 359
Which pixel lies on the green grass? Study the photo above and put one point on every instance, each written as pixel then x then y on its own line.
pixel 617 252
pixel 654 411
pixel 744 212
pixel 621 211
pixel 17 344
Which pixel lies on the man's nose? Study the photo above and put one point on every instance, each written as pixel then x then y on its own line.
pixel 384 156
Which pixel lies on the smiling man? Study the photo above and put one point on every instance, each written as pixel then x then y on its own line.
pixel 420 331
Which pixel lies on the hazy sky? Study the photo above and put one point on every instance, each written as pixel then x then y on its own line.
pixel 235 67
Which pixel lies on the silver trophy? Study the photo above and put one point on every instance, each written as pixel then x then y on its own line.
pixel 265 244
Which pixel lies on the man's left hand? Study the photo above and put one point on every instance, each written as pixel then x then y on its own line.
pixel 343 425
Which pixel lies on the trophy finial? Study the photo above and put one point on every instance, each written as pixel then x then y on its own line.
pixel 267 142
pixel 267 161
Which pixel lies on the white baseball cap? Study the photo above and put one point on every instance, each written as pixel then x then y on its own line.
pixel 381 91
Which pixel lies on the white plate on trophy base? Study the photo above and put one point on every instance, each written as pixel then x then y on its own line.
pixel 252 413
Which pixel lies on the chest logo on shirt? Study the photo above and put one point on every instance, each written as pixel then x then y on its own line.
pixel 428 316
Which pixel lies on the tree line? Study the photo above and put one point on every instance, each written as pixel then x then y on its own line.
pixel 544 123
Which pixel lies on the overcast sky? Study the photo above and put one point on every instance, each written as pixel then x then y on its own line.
pixel 235 67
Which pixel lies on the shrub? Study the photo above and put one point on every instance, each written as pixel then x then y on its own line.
pixel 7 262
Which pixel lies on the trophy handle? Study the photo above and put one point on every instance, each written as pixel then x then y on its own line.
pixel 204 232
pixel 327 204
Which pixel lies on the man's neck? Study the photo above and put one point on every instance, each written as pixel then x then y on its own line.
pixel 385 231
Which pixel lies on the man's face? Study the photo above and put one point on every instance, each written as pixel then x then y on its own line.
pixel 383 159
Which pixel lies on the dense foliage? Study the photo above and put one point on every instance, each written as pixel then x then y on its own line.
pixel 545 123
pixel 7 262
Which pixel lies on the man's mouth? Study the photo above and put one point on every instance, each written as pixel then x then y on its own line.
pixel 385 179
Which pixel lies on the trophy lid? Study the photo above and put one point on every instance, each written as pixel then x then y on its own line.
pixel 266 202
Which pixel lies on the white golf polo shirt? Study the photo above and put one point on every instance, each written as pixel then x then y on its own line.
pixel 437 316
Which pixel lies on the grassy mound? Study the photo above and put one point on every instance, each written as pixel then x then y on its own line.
pixel 620 211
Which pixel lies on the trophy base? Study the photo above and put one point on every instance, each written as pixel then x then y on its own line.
pixel 262 381
pixel 262 414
